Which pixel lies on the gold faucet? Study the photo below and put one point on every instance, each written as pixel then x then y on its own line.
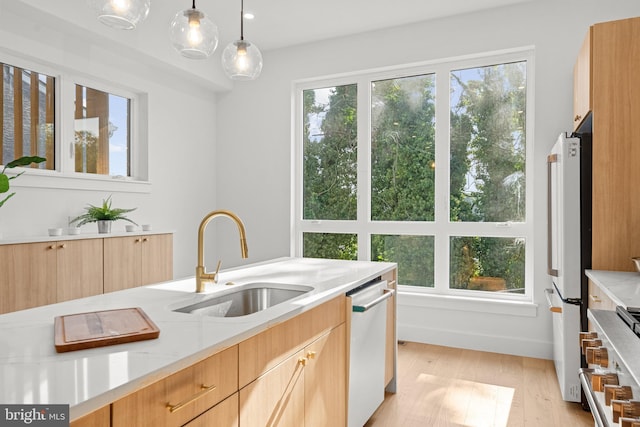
pixel 201 274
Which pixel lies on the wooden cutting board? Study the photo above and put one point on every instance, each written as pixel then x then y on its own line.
pixel 102 328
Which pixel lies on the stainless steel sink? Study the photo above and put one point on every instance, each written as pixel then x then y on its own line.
pixel 251 298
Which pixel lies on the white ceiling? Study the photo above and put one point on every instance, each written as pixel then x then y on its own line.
pixel 281 23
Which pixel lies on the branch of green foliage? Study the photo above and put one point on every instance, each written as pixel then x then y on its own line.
pixel 102 213
pixel 19 162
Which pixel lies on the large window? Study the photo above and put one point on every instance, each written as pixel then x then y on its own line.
pixel 83 128
pixel 425 167
pixel 27 109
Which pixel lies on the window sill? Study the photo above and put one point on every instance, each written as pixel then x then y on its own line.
pixel 57 180
pixel 467 304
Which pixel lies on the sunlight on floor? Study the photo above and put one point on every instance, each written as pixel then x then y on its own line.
pixel 469 403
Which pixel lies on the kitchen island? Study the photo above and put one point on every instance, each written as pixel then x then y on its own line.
pixel 33 372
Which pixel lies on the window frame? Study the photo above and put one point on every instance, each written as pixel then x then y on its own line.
pixel 441 228
pixel 63 175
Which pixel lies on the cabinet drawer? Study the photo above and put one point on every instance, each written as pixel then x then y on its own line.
pixel 262 352
pixel 177 399
pixel 224 414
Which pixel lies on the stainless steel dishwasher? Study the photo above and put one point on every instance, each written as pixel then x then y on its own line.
pixel 367 350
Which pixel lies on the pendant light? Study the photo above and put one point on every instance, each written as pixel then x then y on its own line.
pixel 193 34
pixel 242 60
pixel 121 14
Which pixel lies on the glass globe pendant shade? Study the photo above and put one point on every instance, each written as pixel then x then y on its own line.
pixel 193 34
pixel 242 60
pixel 121 14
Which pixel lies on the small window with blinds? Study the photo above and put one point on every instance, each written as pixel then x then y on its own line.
pixel 27 109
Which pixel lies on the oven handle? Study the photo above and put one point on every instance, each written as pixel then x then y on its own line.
pixel 598 416
pixel 387 293
pixel 552 308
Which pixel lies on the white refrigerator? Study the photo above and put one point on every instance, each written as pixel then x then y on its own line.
pixel 568 211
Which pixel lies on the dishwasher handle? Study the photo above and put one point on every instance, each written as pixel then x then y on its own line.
pixel 386 294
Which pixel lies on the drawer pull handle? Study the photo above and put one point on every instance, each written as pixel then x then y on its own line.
pixel 303 361
pixel 198 395
pixel 311 355
pixel 595 298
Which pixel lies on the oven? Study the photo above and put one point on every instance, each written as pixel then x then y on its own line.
pixel 611 382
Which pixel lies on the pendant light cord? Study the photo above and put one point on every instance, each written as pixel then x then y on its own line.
pixel 194 4
pixel 241 19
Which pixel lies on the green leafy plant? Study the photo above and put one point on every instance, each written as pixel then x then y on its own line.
pixel 4 179
pixel 102 213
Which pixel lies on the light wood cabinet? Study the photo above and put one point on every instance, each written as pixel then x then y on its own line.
pixel 98 418
pixel 325 380
pixel 137 260
pixel 307 389
pixel 184 395
pixel 224 414
pixel 598 299
pixel 36 274
pixel 277 397
pixel 264 351
pixel 295 374
pixel 391 345
pixel 79 268
pixel 28 276
pixel 615 106
pixel 582 83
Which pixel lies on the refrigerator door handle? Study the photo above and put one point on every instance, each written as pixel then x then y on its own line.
pixel 551 159
pixel 552 308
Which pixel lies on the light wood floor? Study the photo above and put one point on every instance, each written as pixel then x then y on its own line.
pixel 442 386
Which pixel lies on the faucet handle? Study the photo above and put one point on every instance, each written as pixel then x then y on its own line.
pixel 215 275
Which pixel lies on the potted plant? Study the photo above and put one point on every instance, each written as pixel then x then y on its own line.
pixel 4 179
pixel 104 215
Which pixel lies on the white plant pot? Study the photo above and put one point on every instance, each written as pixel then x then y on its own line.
pixel 104 227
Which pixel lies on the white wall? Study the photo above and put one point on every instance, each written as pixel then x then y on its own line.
pixel 254 140
pixel 181 129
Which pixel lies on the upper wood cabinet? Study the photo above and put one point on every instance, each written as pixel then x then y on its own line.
pixel 615 106
pixel 137 260
pixel 582 83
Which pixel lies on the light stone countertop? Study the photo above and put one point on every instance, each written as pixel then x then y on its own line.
pixel 32 372
pixel 7 240
pixel 623 287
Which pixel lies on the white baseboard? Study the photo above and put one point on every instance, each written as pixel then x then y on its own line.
pixel 492 343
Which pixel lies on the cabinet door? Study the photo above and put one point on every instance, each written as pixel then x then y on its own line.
pixel 391 346
pixel 325 380
pixel 122 261
pixel 157 258
pixel 276 399
pixel 28 276
pixel 224 414
pixel 98 418
pixel 182 396
pixel 582 83
pixel 264 351
pixel 79 268
pixel 616 151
